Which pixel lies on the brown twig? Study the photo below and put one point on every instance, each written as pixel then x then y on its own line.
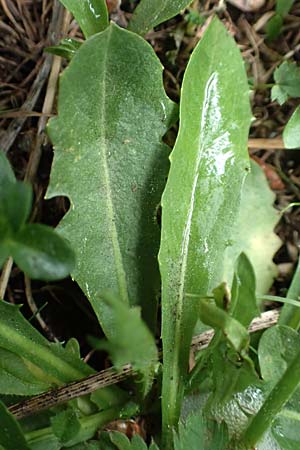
pixel 5 277
pixel 110 376
pixel 266 144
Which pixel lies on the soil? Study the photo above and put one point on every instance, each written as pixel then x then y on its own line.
pixel 27 100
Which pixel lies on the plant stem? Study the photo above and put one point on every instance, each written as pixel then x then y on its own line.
pixel 273 404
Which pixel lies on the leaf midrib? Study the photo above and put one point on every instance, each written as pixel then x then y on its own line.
pixel 121 274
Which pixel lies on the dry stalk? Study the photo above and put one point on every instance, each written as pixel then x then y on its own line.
pixel 110 376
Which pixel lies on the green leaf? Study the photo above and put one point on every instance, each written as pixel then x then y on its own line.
pixel 197 434
pixel 283 6
pixel 291 132
pixel 66 48
pixel 50 363
pixel 41 253
pixel 15 204
pixel 277 348
pixel 109 161
pixel 258 242
pixel 132 341
pixel 11 436
pixel 201 200
pixel 243 305
pixel 290 314
pixel 274 26
pixel 65 425
pixel 236 334
pixel 122 442
pixel 16 378
pixel 150 13
pixel 91 15
pixel 287 78
pixel 6 173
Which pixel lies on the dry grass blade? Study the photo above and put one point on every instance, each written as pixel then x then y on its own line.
pixel 110 376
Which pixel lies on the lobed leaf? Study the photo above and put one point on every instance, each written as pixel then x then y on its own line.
pixel 91 15
pixel 132 341
pixel 65 425
pixel 109 161
pixel 150 13
pixel 196 434
pixel 202 196
pixel 258 242
pixel 287 79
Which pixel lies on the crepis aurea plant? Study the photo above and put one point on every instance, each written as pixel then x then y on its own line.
pixel 110 161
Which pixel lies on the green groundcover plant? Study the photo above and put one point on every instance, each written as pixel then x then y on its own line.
pixel 202 264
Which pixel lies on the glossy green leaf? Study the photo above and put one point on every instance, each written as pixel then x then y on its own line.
pixel 150 13
pixel 16 378
pixel 91 15
pixel 132 341
pixel 197 434
pixel 243 306
pixel 65 425
pixel 66 48
pixel 258 241
pixel 290 314
pixel 11 436
pixel 41 253
pixel 291 132
pixel 202 196
pixel 49 362
pixel 287 79
pixel 110 162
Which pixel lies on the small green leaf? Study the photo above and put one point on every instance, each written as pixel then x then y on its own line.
pixel 283 6
pixel 66 48
pixel 122 442
pixel 132 341
pixel 15 204
pixel 291 132
pixel 65 425
pixel 243 305
pixel 41 253
pixel 150 13
pixel 91 15
pixel 287 78
pixel 56 365
pixel 274 26
pixel 236 334
pixel 11 436
pixel 196 433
